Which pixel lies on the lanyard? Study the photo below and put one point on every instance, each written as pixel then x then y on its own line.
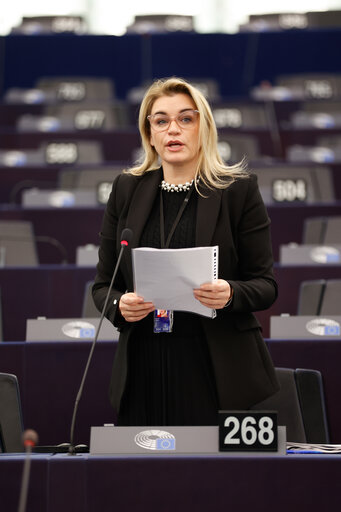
pixel 175 223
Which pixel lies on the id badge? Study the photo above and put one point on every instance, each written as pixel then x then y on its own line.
pixel 163 320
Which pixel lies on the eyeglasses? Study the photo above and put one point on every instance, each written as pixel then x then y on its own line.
pixel 161 122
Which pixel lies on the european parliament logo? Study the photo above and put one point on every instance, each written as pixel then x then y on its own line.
pixel 333 258
pixel 165 444
pixel 325 254
pixel 155 440
pixel 89 332
pixel 332 330
pixel 323 327
pixel 79 329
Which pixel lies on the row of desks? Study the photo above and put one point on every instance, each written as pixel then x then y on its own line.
pixel 287 225
pixel 57 291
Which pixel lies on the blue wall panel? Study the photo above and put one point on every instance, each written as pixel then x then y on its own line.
pixel 236 61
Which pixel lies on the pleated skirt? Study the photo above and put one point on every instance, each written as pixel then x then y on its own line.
pixel 170 379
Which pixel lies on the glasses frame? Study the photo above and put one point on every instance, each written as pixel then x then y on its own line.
pixel 171 118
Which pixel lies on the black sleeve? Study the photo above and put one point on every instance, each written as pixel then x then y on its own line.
pixel 256 288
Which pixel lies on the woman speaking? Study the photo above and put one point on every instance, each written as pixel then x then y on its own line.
pixel 183 195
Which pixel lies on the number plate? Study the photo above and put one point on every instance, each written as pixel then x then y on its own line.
pixel 289 190
pixel 248 431
pixel 228 117
pixel 61 153
pixel 318 88
pixel 71 91
pixel 89 120
pixel 103 191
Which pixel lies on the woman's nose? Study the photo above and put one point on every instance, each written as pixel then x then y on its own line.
pixel 173 126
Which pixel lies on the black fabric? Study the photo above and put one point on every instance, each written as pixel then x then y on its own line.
pixel 184 235
pixel 170 379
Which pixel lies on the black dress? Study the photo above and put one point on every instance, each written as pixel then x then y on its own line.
pixel 170 377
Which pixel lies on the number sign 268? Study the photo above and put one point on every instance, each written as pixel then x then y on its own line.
pixel 248 431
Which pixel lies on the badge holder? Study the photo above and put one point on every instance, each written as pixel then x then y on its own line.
pixel 163 320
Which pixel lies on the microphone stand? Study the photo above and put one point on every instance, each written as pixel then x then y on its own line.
pixel 72 448
pixel 30 439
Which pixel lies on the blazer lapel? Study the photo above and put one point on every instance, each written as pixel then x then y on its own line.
pixel 140 207
pixel 141 204
pixel 207 215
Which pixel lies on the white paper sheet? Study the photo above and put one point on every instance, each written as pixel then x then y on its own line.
pixel 167 277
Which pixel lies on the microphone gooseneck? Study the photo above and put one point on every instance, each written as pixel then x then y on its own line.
pixel 126 237
pixel 29 439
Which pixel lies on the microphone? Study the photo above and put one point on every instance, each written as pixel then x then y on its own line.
pixel 30 439
pixel 126 237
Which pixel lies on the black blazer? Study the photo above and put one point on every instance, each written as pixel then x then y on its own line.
pixel 236 220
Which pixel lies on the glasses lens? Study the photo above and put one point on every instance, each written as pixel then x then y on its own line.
pixel 186 119
pixel 160 122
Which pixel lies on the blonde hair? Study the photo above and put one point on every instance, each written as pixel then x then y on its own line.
pixel 210 168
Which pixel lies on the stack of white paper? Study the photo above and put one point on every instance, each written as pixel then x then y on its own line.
pixel 167 277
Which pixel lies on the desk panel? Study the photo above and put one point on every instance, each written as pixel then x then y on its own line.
pixel 53 291
pixel 289 280
pixel 11 467
pixel 72 227
pixel 287 221
pixel 130 484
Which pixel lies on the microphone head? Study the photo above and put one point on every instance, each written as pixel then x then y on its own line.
pixel 30 438
pixel 126 236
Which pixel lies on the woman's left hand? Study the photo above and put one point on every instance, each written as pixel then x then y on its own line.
pixel 214 295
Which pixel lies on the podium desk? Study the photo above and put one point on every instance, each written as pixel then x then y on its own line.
pixel 306 327
pixel 86 483
pixel 289 279
pixel 311 254
pixel 287 221
pixel 70 329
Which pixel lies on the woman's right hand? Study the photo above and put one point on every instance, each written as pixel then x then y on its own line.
pixel 133 308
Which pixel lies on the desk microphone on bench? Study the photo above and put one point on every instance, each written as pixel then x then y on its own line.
pixel 30 439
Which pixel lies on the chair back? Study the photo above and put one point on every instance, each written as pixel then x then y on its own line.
pixel 300 405
pixel 11 421
pixel 320 297
pixel 89 309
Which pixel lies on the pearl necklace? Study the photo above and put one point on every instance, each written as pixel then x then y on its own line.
pixel 170 187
